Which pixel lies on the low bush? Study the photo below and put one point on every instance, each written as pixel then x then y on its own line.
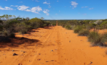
pixel 68 27
pixel 77 29
pixel 11 26
pixel 83 32
pixel 22 28
pixel 91 26
pixel 104 39
pixel 95 38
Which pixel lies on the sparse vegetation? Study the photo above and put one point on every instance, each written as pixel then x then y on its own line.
pixel 69 27
pixel 83 27
pixel 77 29
pixel 104 39
pixel 10 24
pixel 83 32
pixel 97 39
pixel 94 38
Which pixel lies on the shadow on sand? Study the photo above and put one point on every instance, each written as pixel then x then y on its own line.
pixel 16 42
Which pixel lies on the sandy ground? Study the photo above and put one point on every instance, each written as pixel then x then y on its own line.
pixel 53 46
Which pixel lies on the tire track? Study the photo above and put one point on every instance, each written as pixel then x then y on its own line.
pixel 44 44
pixel 59 43
pixel 32 55
pixel 22 59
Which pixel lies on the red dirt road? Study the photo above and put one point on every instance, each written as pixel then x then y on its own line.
pixel 55 46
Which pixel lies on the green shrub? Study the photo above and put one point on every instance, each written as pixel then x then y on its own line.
pixel 22 27
pixel 95 38
pixel 68 27
pixel 98 39
pixel 91 26
pixel 44 25
pixel 77 29
pixel 83 32
pixel 7 33
pixel 35 22
pixel 103 25
pixel 104 39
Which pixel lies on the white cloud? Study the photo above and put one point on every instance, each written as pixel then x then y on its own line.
pixel 87 7
pixel 23 7
pixel 6 8
pixel 28 10
pixel 46 12
pixel 35 9
pixel 46 3
pixel 91 8
pixel 74 4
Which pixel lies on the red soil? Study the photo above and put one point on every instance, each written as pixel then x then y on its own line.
pixel 54 46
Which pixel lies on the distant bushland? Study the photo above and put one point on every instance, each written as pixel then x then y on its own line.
pixel 10 24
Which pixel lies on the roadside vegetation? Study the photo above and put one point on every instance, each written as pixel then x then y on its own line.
pixel 84 27
pixel 10 24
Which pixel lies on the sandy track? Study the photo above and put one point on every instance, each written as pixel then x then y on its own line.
pixel 55 46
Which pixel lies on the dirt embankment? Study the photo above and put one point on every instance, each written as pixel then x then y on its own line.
pixel 53 46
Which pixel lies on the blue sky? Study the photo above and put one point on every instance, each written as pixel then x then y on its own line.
pixel 55 9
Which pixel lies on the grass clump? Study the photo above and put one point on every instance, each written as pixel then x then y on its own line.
pixel 83 32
